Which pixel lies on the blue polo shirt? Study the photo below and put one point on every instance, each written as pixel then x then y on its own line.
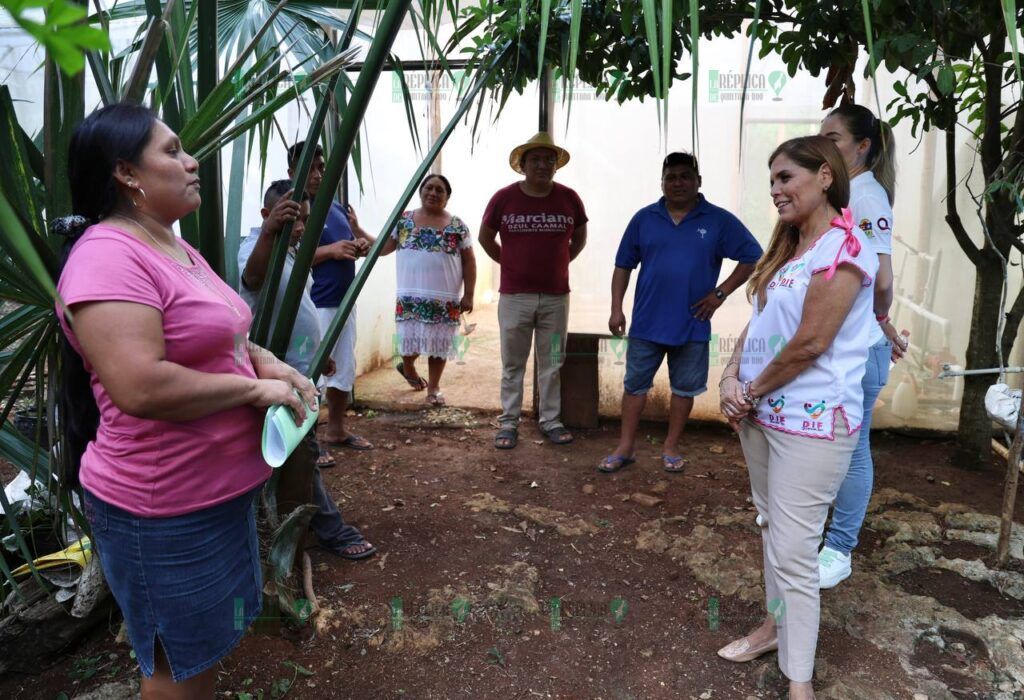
pixel 331 278
pixel 679 265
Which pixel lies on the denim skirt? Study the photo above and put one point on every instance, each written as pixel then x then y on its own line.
pixel 192 581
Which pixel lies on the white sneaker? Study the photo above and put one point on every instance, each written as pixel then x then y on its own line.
pixel 833 568
pixel 760 521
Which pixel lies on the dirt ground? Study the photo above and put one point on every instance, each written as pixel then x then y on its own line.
pixel 476 543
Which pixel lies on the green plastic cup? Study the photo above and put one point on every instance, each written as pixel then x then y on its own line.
pixel 280 434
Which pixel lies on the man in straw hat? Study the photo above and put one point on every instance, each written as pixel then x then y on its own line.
pixel 542 226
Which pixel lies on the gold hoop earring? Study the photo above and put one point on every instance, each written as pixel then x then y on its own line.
pixel 136 204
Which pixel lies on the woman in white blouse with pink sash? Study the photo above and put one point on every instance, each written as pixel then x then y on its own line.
pixel 792 389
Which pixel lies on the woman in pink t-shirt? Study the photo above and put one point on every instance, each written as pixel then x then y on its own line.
pixel 161 396
pixel 793 389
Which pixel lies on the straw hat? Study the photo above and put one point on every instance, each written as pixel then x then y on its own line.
pixel 541 139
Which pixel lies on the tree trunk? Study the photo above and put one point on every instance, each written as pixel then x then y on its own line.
pixel 974 432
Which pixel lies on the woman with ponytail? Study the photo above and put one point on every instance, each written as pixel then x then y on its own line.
pixel 792 390
pixel 867 147
pixel 161 399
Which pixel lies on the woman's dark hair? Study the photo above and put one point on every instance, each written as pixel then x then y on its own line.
pixel 881 158
pixel 439 176
pixel 118 132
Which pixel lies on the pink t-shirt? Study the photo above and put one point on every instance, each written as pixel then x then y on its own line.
pixel 155 468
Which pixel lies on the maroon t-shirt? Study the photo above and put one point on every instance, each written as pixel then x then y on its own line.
pixel 535 233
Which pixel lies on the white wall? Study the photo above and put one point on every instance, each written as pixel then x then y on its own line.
pixel 616 154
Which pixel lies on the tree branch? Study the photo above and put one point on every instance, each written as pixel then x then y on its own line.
pixel 1013 318
pixel 991 137
pixel 952 215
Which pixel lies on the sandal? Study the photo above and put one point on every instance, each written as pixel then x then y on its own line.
pixel 436 399
pixel 506 439
pixel 418 383
pixel 353 442
pixel 558 435
pixel 613 463
pixel 324 459
pixel 673 465
pixel 356 556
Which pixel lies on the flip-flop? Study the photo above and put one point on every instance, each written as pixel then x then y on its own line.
pixel 436 399
pixel 613 463
pixel 353 442
pixel 324 459
pixel 673 465
pixel 509 434
pixel 417 383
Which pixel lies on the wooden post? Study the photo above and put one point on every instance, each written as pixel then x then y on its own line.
pixel 1010 491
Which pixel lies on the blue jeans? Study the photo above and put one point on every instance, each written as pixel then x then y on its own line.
pixel 687 366
pixel 331 530
pixel 852 500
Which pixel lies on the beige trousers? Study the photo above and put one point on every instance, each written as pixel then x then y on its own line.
pixel 794 480
pixel 525 320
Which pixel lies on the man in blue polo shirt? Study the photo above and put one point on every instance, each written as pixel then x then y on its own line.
pixel 679 243
pixel 333 270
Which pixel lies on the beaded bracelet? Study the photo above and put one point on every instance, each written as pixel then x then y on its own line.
pixel 747 396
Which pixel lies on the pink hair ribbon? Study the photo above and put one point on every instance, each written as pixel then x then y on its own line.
pixel 850 242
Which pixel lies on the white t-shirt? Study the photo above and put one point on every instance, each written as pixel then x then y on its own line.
pixel 873 215
pixel 306 333
pixel 809 404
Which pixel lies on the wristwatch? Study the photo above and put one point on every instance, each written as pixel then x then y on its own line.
pixel 720 295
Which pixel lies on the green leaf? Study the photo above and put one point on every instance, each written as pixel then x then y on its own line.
pixel 333 330
pixel 300 670
pixel 376 56
pixel 545 15
pixel 694 42
pixel 946 80
pixel 284 544
pixel 1011 30
pixel 575 22
pixel 64 40
pixel 17 243
pixel 746 71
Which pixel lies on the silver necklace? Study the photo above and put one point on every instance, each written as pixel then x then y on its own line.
pixel 193 272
